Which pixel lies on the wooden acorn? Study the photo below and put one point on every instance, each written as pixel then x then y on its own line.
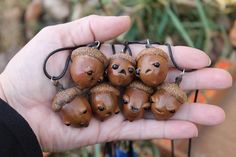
pixel 104 101
pixel 167 100
pixel 121 69
pixel 87 69
pixel 152 66
pixel 77 113
pixel 135 100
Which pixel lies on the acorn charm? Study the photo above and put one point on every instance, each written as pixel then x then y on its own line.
pixel 167 100
pixel 152 66
pixel 87 67
pixel 136 100
pixel 104 101
pixel 121 69
pixel 76 113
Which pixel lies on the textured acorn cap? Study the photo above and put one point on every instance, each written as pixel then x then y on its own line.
pixel 124 56
pixel 105 88
pixel 152 51
pixel 89 51
pixel 141 86
pixel 174 90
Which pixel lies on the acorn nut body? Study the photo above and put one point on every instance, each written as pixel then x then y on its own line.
pixel 152 66
pixel 167 100
pixel 87 67
pixel 104 101
pixel 136 100
pixel 121 69
pixel 76 113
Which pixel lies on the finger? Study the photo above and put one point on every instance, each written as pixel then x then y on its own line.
pixel 93 27
pixel 200 113
pixel 208 78
pixel 203 114
pixel 150 129
pixel 185 57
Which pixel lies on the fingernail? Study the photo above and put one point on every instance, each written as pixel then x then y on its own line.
pixel 209 61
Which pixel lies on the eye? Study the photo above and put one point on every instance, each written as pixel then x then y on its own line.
pixel 131 70
pixel 115 66
pixel 172 111
pixel 85 111
pixel 125 101
pixel 157 64
pixel 90 72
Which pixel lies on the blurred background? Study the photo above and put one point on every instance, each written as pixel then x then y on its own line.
pixel 209 25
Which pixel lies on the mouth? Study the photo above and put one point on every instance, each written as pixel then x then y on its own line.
pixel 108 114
pixel 134 109
pixel 159 111
pixel 83 125
pixel 148 71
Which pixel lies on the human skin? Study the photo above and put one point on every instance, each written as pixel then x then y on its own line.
pixel 24 86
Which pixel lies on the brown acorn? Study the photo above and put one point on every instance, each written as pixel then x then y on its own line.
pixel 121 69
pixel 87 67
pixel 135 100
pixel 77 113
pixel 104 101
pixel 152 66
pixel 167 100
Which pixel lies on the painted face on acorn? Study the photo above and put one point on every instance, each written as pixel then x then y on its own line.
pixel 152 66
pixel 104 101
pixel 136 100
pixel 167 100
pixel 121 70
pixel 76 113
pixel 87 67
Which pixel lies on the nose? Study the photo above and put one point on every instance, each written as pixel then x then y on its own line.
pixel 123 72
pixel 101 108
pixel 134 109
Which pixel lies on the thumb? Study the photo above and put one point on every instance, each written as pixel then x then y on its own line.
pixel 91 28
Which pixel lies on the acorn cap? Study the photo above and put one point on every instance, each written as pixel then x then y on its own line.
pixel 124 56
pixel 174 90
pixel 141 86
pixel 152 51
pixel 89 51
pixel 105 88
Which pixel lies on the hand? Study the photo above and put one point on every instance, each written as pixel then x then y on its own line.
pixel 27 90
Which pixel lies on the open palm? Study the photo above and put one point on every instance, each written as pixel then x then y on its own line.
pixel 28 91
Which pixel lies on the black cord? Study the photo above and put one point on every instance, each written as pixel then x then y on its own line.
pixel 172 148
pixel 53 78
pixel 66 63
pixel 113 48
pixel 127 48
pixel 174 62
pixel 190 140
pixel 130 152
pixel 143 42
